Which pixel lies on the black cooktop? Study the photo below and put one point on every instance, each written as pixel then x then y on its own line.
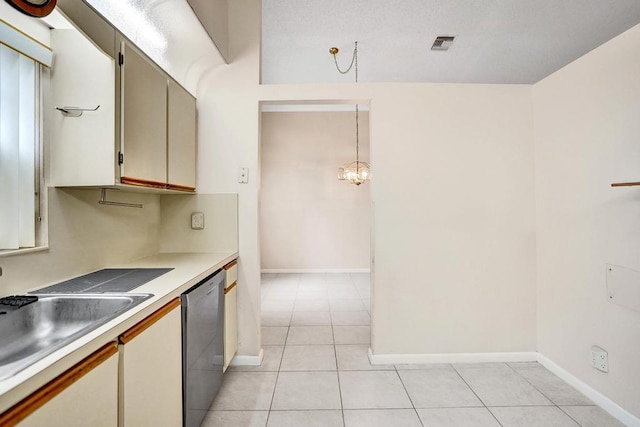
pixel 107 280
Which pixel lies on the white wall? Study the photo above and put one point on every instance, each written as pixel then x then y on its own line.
pixel 453 192
pixel 586 137
pixel 454 222
pixel 84 236
pixel 220 233
pixel 309 220
pixel 228 138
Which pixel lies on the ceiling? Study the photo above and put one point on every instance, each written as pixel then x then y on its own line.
pixel 497 41
pixel 169 32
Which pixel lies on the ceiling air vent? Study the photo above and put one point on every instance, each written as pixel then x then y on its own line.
pixel 442 43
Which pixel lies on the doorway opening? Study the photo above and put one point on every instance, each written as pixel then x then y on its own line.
pixel 314 230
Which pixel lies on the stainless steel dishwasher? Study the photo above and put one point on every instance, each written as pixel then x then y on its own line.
pixel 202 347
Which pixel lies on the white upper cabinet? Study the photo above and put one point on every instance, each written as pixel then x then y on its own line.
pixel 82 148
pixel 143 135
pixel 143 116
pixel 181 143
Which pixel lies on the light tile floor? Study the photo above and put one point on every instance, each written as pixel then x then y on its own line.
pixel 316 334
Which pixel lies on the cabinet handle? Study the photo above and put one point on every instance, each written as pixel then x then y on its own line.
pixel 228 289
pixel 231 264
pixel 74 111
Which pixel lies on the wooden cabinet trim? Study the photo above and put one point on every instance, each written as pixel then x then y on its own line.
pixel 231 264
pixel 181 188
pixel 228 288
pixel 44 394
pixel 142 182
pixel 148 321
pixel 155 184
pixel 625 184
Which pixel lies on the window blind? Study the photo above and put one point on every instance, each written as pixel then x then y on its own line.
pixel 17 149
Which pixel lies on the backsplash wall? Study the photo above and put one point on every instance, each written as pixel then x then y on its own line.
pixel 83 237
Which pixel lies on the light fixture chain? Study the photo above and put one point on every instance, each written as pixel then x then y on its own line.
pixel 355 55
pixel 354 60
pixel 357 141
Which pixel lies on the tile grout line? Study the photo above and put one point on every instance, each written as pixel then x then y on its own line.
pixel 335 353
pixel 544 394
pixel 273 395
pixel 569 415
pixel 536 388
pixel 476 394
pixel 413 405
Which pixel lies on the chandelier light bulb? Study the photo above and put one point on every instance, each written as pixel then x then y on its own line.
pixel 355 172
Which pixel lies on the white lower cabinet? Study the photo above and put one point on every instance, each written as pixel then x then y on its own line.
pixel 85 395
pixel 150 370
pixel 230 313
pixel 135 382
pixel 230 326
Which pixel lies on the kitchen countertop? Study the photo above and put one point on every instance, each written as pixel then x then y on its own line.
pixel 188 270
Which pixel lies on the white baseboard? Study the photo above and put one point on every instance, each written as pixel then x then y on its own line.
pixel 240 360
pixel 402 359
pixel 315 270
pixel 598 398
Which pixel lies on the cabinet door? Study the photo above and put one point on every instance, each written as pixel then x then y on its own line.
pixel 85 395
pixel 143 118
pixel 181 146
pixel 151 370
pixel 82 148
pixel 230 324
pixel 230 312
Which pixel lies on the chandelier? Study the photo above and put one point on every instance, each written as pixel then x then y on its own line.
pixel 355 172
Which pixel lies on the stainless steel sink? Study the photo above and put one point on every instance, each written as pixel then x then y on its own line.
pixel 34 331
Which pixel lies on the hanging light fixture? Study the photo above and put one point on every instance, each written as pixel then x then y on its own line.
pixel 355 172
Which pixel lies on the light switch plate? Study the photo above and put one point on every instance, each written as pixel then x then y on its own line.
pixel 243 175
pixel 197 220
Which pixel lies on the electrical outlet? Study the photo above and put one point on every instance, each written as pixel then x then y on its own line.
pixel 197 221
pixel 599 359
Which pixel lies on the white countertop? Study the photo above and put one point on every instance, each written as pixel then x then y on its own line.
pixel 188 270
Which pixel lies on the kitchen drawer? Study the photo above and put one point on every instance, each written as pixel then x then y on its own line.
pixel 232 273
